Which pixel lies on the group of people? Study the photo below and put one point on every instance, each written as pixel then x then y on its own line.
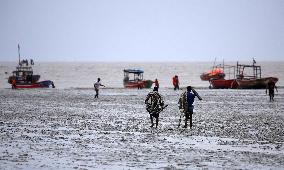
pixel 155 104
pixel 26 62
pixel 175 83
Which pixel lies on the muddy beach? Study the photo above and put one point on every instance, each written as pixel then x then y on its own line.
pixel 69 129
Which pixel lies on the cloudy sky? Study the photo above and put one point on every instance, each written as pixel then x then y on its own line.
pixel 142 30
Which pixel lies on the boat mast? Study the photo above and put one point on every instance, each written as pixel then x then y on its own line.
pixel 19 54
pixel 214 64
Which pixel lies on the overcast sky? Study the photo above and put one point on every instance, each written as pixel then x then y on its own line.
pixel 142 30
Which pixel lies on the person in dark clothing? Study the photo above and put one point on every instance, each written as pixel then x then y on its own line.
pixel 154 105
pixel 270 86
pixel 186 105
pixel 14 83
pixel 97 87
pixel 190 99
pixel 156 83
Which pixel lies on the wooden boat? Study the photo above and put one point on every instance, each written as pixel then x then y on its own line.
pixel 254 80
pixel 23 76
pixel 243 80
pixel 259 83
pixel 133 78
pixel 223 84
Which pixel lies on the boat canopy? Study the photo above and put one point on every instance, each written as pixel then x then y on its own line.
pixel 23 68
pixel 135 71
pixel 216 71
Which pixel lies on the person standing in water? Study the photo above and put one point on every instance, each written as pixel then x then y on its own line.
pixel 14 83
pixel 97 87
pixel 270 86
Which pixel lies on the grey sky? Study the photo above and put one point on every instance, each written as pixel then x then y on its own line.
pixel 142 30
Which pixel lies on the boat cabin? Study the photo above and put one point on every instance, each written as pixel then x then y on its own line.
pixel 248 71
pixel 133 78
pixel 133 75
pixel 23 75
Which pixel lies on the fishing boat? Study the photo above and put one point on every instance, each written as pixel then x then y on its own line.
pixel 259 83
pixel 133 78
pixel 246 77
pixel 23 76
pixel 222 83
pixel 253 80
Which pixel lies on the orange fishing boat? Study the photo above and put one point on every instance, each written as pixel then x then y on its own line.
pixel 215 73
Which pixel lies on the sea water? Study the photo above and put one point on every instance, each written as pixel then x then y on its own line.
pixel 83 74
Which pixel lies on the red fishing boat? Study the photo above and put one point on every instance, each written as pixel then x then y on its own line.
pixel 242 79
pixel 223 84
pixel 133 78
pixel 23 76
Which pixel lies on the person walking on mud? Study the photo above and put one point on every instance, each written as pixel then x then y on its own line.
pixel 186 101
pixel 97 87
pixel 154 105
pixel 156 82
pixel 270 86
pixel 176 82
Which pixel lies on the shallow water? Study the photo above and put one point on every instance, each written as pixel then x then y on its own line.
pixel 82 75
pixel 68 128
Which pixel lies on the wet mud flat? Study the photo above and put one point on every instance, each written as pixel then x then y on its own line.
pixel 69 129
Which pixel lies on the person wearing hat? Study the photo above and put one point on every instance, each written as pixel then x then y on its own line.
pixel 154 105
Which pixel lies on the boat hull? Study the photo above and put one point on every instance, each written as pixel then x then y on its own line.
pixel 42 84
pixel 207 76
pixel 33 79
pixel 138 84
pixel 223 84
pixel 260 83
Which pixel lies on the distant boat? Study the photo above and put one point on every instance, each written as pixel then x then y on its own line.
pixel 24 77
pixel 259 83
pixel 215 73
pixel 244 80
pixel 254 80
pixel 133 78
pixel 223 84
